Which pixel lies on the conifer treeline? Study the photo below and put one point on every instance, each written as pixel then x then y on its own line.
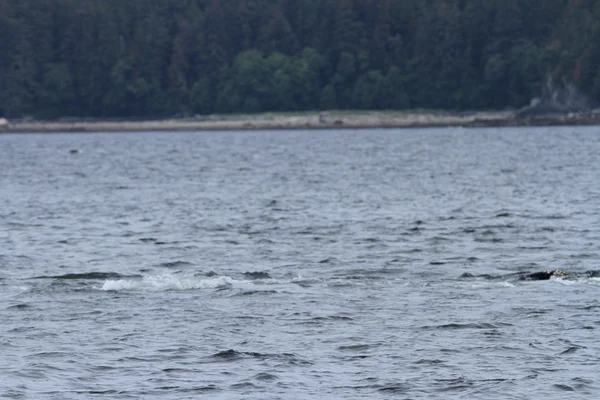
pixel 110 58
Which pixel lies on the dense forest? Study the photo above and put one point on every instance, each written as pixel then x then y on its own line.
pixel 154 58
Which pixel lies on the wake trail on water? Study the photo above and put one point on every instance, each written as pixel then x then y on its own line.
pixel 179 282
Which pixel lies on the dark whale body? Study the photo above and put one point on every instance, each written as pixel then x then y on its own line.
pixel 545 275
pixel 538 276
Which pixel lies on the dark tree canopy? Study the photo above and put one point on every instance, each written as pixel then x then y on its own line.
pixel 154 58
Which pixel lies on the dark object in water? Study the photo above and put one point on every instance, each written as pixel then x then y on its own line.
pixel 542 275
pixel 536 276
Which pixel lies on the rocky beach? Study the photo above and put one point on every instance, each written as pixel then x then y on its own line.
pixel 313 120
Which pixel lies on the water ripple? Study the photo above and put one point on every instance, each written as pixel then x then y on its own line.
pixel 304 264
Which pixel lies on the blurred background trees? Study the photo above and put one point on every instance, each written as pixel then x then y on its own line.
pixel 155 58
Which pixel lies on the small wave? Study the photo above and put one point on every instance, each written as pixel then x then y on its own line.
pixel 489 240
pixel 257 292
pixel 456 326
pixel 50 354
pixel 21 307
pixel 234 355
pixel 396 388
pixel 368 240
pixel 330 260
pixel 244 385
pixel 177 370
pixel 356 347
pixel 550 216
pixel 424 361
pixel 439 239
pixel 88 276
pixel 457 384
pixel 265 376
pixel 468 275
pixel 566 388
pixel 167 282
pixel 97 392
pixel 175 264
pixel 200 389
pixel 333 318
pixel 257 275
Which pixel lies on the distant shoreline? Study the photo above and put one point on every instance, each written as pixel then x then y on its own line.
pixel 309 120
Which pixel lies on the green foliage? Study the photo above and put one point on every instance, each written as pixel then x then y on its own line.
pixel 392 91
pixel 366 90
pixel 201 96
pixel 57 93
pixel 328 99
pixel 151 58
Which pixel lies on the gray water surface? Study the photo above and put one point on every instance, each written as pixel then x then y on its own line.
pixel 300 264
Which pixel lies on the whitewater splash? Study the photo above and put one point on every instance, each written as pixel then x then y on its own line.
pixel 178 282
pixel 168 282
pixel 589 281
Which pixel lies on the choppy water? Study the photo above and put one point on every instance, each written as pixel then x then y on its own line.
pixel 295 265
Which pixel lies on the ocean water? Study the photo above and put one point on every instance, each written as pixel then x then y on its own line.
pixel 300 264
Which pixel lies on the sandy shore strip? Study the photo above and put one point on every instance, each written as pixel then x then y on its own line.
pixel 314 120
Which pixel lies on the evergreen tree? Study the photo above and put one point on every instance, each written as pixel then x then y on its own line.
pixel 367 90
pixel 328 99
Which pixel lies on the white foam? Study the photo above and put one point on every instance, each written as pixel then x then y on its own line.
pixel 507 284
pixel 570 282
pixel 593 281
pixel 563 281
pixel 14 291
pixel 491 285
pixel 168 282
